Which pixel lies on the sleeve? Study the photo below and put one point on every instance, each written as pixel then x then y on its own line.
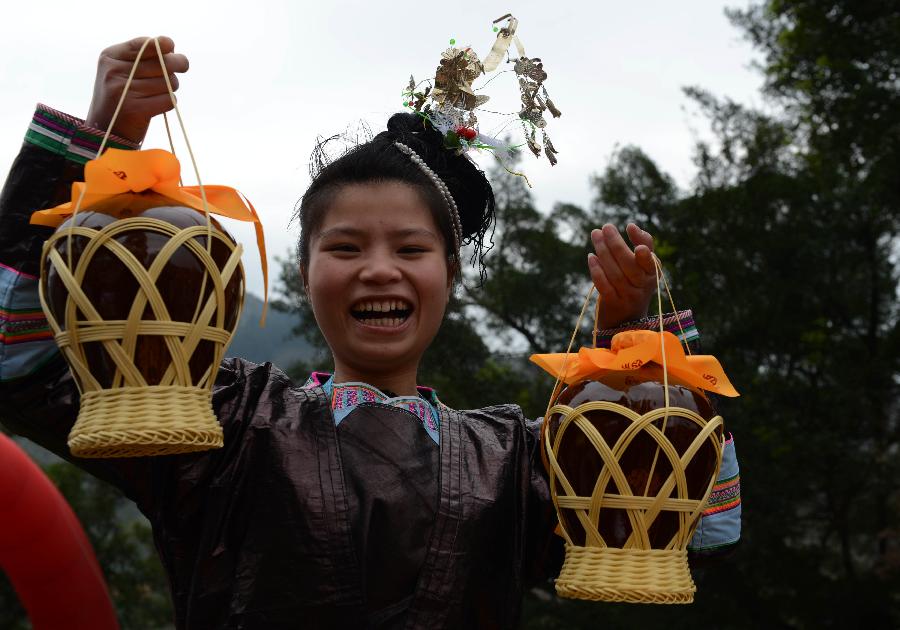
pixel 545 548
pixel 680 323
pixel 719 529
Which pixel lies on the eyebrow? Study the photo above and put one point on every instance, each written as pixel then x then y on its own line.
pixel 349 231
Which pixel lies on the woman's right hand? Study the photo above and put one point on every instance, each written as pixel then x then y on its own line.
pixel 147 96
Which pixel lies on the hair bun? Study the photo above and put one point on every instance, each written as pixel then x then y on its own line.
pixel 416 131
pixel 405 122
pixel 467 183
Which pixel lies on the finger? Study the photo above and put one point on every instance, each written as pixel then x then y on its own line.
pixel 643 247
pixel 147 88
pixel 598 276
pixel 623 256
pixel 637 236
pixel 151 67
pixel 611 269
pixel 157 104
pixel 166 44
pixel 643 256
pixel 128 51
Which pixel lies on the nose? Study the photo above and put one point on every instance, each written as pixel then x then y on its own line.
pixel 380 268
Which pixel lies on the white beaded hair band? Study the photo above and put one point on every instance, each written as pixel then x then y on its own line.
pixel 442 188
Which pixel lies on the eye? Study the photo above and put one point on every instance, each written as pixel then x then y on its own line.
pixel 342 247
pixel 413 249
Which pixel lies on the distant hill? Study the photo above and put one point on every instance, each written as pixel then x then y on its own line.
pixel 273 343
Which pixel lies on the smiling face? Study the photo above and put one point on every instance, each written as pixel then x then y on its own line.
pixel 378 280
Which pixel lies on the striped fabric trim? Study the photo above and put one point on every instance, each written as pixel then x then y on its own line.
pixel 670 324
pixel 26 341
pixel 720 523
pixel 21 316
pixel 17 272
pixel 24 326
pixel 66 135
pixel 706 549
pixel 725 495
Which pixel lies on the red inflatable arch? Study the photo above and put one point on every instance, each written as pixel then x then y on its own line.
pixel 44 550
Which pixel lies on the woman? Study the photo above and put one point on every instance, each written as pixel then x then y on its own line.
pixel 358 500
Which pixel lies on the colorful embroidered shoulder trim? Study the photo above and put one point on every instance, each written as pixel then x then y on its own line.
pixel 347 396
pixel 725 495
pixel 720 525
pixel 66 135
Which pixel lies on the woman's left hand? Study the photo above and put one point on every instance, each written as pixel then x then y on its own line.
pixel 625 278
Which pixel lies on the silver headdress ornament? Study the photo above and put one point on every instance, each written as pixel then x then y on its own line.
pixel 450 101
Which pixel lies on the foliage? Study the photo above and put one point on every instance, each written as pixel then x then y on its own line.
pixel 290 298
pixel 785 246
pixel 535 272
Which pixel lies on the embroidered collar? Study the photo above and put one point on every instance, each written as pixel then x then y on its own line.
pixel 345 397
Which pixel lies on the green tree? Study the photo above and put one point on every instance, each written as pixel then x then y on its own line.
pixel 786 245
pixel 536 271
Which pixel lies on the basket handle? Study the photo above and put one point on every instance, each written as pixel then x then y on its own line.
pixel 187 142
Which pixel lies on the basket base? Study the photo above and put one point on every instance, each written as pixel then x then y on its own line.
pixel 638 576
pixel 145 421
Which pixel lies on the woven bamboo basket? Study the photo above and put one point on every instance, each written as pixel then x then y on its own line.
pixel 142 308
pixel 631 468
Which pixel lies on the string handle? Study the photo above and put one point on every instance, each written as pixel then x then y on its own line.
pixel 184 134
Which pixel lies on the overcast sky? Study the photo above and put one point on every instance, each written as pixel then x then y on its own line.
pixel 267 77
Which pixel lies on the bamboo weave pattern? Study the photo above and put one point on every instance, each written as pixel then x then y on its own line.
pixel 635 573
pixel 134 417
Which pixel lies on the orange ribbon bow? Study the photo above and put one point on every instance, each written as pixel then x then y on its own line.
pixel 118 171
pixel 633 349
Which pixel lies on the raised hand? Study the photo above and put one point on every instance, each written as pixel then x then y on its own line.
pixel 147 96
pixel 625 278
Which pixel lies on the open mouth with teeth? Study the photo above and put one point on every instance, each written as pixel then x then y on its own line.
pixel 383 313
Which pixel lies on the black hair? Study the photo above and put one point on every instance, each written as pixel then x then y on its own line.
pixel 378 159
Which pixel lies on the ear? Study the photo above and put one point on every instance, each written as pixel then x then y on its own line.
pixel 304 278
pixel 452 270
